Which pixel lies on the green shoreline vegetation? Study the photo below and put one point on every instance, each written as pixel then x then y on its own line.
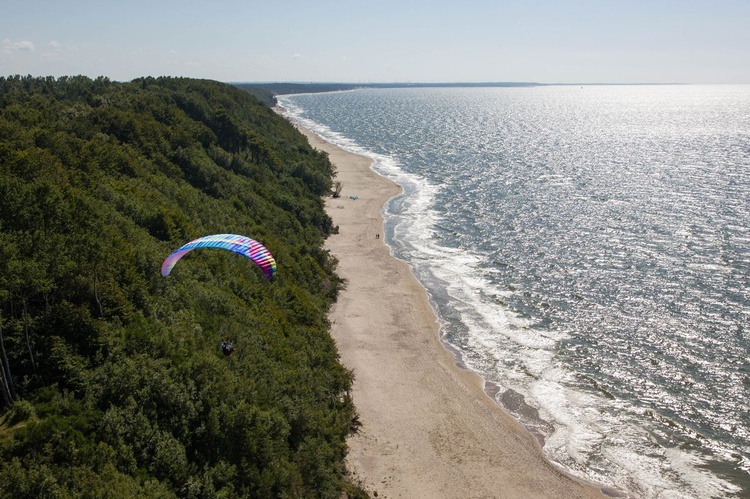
pixel 113 383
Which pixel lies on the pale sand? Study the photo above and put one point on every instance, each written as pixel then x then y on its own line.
pixel 428 428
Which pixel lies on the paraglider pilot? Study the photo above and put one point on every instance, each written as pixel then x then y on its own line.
pixel 227 348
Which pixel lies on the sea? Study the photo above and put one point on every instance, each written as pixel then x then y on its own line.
pixel 587 252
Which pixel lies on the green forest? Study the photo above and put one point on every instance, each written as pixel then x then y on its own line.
pixel 113 382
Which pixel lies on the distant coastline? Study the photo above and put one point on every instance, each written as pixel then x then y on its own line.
pixel 267 91
pixel 285 88
pixel 282 88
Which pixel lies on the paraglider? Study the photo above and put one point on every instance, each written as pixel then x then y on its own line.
pixel 242 245
pixel 249 248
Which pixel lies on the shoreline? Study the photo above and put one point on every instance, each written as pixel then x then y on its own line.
pixel 429 427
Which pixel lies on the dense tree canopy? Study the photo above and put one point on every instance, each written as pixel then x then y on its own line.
pixel 112 379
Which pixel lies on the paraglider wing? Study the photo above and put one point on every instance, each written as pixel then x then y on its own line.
pixel 245 246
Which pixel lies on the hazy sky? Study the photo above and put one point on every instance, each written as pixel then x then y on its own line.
pixel 590 41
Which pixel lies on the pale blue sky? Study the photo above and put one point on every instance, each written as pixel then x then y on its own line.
pixel 584 41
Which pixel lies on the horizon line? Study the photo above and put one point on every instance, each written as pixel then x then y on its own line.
pixel 463 83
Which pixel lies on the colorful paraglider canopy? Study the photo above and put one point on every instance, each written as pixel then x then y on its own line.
pixel 245 246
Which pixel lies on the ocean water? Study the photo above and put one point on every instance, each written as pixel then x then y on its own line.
pixel 587 251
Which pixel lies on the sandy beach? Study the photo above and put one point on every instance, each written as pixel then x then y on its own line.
pixel 428 428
